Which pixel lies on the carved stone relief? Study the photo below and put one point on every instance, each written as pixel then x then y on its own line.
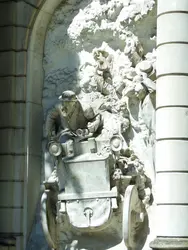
pixel 103 53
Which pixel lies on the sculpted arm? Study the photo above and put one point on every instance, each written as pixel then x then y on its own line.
pixel 51 122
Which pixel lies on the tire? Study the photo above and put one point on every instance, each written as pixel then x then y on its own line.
pixel 48 220
pixel 134 231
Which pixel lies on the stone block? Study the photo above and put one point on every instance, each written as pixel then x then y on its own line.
pixel 11 220
pixel 171 220
pixel 175 191
pixel 17 13
pixel 21 65
pixel 33 187
pixel 4 248
pixel 25 14
pixel 20 243
pixel 36 3
pixel 35 129
pixel 12 141
pixel 12 167
pixel 176 53
pixel 172 28
pixel 8 13
pixel 12 115
pixel 11 248
pixel 50 6
pixel 13 38
pixel 171 156
pixel 13 63
pixel 22 35
pixel 35 77
pixel 12 89
pixel 12 194
pixel 171 5
pixel 172 123
pixel 7 38
pixel 39 32
pixel 8 63
pixel 172 90
pixel 172 193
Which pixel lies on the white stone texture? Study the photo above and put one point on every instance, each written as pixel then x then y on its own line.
pixel 171 5
pixel 172 85
pixel 173 188
pixel 171 28
pixel 171 214
pixel 175 122
pixel 166 55
pixel 166 161
pixel 171 125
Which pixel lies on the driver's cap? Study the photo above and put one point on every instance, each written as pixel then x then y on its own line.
pixel 67 95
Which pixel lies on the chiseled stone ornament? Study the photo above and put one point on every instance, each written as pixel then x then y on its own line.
pixel 103 52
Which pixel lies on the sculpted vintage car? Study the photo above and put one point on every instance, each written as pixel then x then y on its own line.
pixel 88 187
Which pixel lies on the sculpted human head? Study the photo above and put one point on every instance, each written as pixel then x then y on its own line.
pixel 68 99
pixel 140 90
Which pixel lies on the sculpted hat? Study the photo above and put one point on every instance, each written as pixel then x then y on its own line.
pixel 67 95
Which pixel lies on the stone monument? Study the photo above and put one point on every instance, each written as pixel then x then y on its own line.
pixel 99 137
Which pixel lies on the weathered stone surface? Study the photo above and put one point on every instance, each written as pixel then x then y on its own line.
pixel 13 38
pixel 7 38
pixel 12 115
pixel 35 127
pixel 13 197
pixel 34 90
pixel 33 183
pixel 21 65
pixel 12 141
pixel 14 89
pixel 15 222
pixel 7 61
pixel 39 32
pixel 16 167
pixel 8 13
pixel 13 63
pixel 36 3
pixel 16 13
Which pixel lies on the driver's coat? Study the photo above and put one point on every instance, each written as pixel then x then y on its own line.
pixel 73 119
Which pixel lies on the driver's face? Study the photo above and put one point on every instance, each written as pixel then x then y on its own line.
pixel 68 104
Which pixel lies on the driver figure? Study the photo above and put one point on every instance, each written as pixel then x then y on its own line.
pixel 68 114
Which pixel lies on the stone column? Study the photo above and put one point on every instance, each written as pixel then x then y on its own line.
pixel 172 126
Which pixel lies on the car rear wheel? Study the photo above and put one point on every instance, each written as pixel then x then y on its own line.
pixel 135 220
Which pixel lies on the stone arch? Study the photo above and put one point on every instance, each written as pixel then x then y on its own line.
pixel 33 109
